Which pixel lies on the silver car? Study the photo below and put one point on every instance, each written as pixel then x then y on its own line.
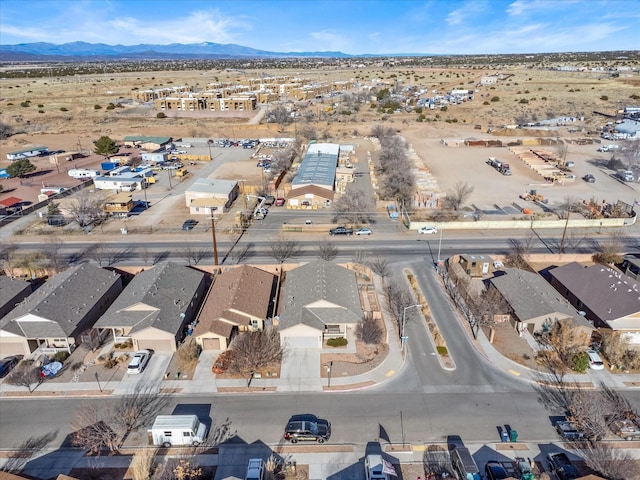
pixel 138 362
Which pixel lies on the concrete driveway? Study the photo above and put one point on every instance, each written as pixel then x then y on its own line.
pixel 300 370
pixel 149 380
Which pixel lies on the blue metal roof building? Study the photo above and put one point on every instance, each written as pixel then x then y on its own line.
pixel 318 166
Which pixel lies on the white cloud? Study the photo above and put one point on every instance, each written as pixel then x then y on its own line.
pixel 330 41
pixel 455 17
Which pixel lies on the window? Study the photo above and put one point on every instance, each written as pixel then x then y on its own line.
pixel 186 434
pixel 167 434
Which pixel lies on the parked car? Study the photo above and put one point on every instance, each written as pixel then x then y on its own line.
pixel 568 430
pixel 7 364
pixel 255 469
pixel 595 362
pixel 189 224
pixel 495 471
pixel 364 231
pixel 139 362
pixel 589 178
pixel 269 200
pixel 310 428
pixel 428 230
pixel 279 202
pixel 341 231
pixel 560 464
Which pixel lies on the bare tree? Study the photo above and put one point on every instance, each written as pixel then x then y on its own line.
pixel 193 256
pixel 610 251
pixel 9 258
pixel 241 252
pixel 92 431
pixel 518 251
pixel 398 297
pixel 281 116
pixel 17 460
pixel 487 305
pixel 54 245
pixel 562 149
pixel 327 251
pixel 136 410
pixel 563 340
pixel 354 208
pixel 85 209
pixel 612 463
pixel 379 266
pixel 283 248
pixel 254 351
pixel 369 331
pixel 26 374
pixel 458 195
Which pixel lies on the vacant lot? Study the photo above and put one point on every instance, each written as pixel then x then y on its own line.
pixel 70 112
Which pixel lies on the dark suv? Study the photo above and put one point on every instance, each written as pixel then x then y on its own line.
pixel 307 427
pixel 341 231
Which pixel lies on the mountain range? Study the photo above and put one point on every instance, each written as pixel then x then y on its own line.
pixel 49 51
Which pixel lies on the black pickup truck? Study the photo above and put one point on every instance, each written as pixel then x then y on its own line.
pixel 562 466
pixel 341 231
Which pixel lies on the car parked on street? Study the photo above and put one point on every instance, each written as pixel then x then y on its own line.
pixel 341 231
pixel 428 230
pixel 189 224
pixel 307 427
pixel 279 202
pixel 364 231
pixel 589 178
pixel 568 430
pixel 139 362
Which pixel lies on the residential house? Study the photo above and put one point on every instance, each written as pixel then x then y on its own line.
pixel 155 308
pixel 208 196
pixel 33 151
pixel 321 300
pixel 12 292
pixel 147 143
pixel 240 299
pixel 534 304
pixel 477 265
pixel 607 297
pixel 55 316
pixel 118 205
pixel 10 205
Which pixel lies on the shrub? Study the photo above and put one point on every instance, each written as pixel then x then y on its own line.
pixel 64 109
pixel 26 103
pixel 442 350
pixel 524 100
pixel 495 99
pixel 161 115
pixel 76 366
pixel 580 362
pixel 97 107
pixel 485 103
pixel 188 354
pixel 604 98
pixel 337 342
pixel 60 356
pixel 369 331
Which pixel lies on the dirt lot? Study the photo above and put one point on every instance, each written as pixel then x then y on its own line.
pixel 71 121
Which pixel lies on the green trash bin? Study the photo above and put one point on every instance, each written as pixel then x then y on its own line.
pixel 513 436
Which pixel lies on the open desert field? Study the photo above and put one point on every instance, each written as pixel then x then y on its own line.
pixel 69 113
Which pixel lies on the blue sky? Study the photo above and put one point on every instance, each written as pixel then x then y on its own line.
pixel 349 26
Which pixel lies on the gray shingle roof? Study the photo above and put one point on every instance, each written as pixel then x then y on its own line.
pixel 12 290
pixel 531 296
pixel 159 295
pixel 320 293
pixel 62 302
pixel 608 293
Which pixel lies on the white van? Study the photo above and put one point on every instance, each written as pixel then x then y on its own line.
pixel 171 430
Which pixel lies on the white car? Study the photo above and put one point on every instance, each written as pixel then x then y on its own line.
pixel 428 230
pixel 364 231
pixel 138 362
pixel 595 362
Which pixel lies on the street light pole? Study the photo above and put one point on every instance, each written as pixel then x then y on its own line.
pixel 98 380
pixel 403 338
pixel 439 246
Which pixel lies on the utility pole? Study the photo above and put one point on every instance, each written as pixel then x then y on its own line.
pixel 213 238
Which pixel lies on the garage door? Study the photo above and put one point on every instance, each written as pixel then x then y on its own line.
pixel 155 345
pixel 12 348
pixel 304 342
pixel 211 344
